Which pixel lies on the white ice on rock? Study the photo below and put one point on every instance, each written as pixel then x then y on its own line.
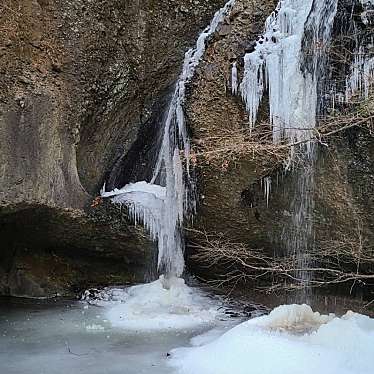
pixel 276 65
pixel 367 2
pixel 163 203
pixel 161 305
pixel 292 339
pixel 234 78
pixel 361 78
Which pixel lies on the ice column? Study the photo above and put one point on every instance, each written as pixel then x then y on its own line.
pixel 163 203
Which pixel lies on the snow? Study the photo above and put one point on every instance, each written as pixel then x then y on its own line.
pixel 161 305
pixel 292 339
pixel 162 207
pixel 144 187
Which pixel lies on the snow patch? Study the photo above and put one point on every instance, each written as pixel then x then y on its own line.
pixel 292 339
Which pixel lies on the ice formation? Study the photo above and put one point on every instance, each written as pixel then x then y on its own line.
pixel 360 81
pixel 267 189
pixel 153 306
pixel 163 203
pixel 288 62
pixel 367 2
pixel 361 78
pixel 234 78
pixel 278 65
pixel 292 339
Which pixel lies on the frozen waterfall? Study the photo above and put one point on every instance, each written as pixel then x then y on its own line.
pixel 288 63
pixel 163 203
pixel 277 66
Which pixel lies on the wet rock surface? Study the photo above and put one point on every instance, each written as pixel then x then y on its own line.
pixel 214 113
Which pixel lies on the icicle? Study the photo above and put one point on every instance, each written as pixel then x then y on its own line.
pixel 234 79
pixel 267 189
pixel 252 86
pixel 361 78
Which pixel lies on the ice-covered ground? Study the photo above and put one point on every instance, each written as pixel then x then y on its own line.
pixel 291 340
pixel 131 331
pixel 119 331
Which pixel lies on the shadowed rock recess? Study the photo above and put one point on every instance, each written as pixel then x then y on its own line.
pixel 84 86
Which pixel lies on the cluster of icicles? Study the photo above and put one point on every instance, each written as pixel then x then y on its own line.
pixel 361 78
pixel 276 66
pixel 162 204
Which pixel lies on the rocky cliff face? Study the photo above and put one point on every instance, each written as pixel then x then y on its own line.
pixel 84 86
pixel 80 82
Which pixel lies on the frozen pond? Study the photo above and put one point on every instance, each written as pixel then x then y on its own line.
pixel 54 337
pixel 61 338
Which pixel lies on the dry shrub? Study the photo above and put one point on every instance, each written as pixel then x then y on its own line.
pixel 347 260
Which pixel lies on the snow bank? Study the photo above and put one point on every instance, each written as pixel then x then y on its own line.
pixel 160 305
pixel 291 340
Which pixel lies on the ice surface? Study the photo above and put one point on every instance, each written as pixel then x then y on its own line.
pixel 163 209
pixel 292 340
pixel 36 339
pixel 166 304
